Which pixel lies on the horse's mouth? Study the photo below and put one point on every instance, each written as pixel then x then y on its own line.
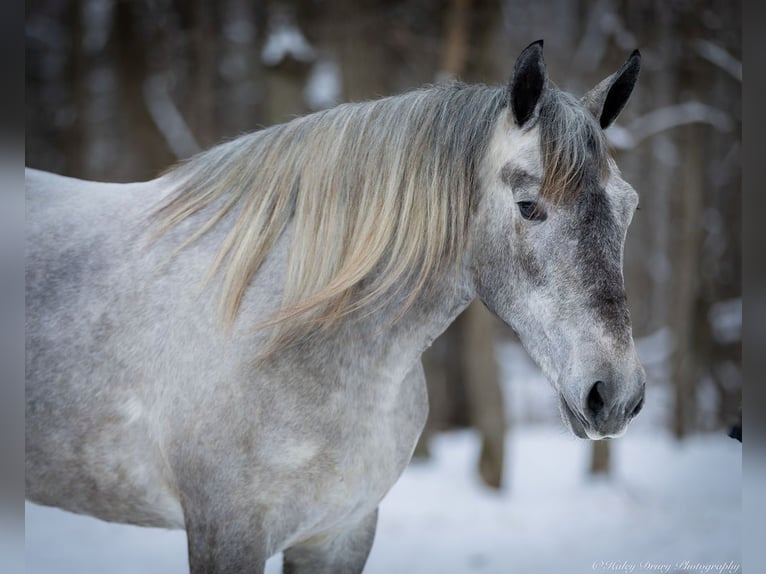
pixel 574 421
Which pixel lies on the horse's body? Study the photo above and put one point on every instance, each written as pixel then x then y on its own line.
pixel 146 377
pixel 142 409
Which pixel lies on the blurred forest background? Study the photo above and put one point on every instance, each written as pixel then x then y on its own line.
pixel 119 90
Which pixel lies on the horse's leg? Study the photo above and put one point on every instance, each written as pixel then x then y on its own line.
pixel 220 546
pixel 344 553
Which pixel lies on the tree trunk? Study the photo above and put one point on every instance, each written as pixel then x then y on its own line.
pixel 485 397
pixel 600 457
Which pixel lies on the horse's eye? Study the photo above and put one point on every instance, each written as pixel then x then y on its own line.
pixel 530 210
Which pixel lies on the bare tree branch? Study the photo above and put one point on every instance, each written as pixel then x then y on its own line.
pixel 664 119
pixel 168 118
pixel 593 44
pixel 714 54
pixel 602 25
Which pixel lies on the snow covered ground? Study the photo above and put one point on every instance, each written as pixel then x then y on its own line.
pixel 667 503
pixel 669 507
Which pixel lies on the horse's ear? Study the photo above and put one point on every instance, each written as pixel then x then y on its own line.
pixel 608 98
pixel 527 83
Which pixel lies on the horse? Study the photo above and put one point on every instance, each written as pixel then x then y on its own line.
pixel 234 348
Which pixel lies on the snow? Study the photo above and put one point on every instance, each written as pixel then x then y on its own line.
pixel 168 118
pixel 323 88
pixel 726 319
pixel 666 503
pixel 285 39
pixel 720 57
pixel 667 118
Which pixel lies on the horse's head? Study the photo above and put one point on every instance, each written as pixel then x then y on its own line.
pixel 549 233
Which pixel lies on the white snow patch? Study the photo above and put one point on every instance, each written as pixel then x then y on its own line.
pixel 285 39
pixel 323 88
pixel 726 319
pixel 667 502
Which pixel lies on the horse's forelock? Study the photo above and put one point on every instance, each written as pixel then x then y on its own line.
pixel 573 147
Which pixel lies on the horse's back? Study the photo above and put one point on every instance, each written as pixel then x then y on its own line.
pixel 77 239
pixel 69 253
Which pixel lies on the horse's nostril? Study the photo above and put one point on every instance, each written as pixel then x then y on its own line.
pixel 595 400
pixel 638 407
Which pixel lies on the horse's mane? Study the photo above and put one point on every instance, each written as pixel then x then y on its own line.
pixel 379 194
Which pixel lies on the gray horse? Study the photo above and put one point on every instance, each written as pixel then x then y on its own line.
pixel 234 348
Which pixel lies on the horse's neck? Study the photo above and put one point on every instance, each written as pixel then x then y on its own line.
pixel 434 311
pixel 381 342
pixel 388 345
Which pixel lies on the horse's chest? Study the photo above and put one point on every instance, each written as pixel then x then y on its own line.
pixel 389 426
pixel 372 446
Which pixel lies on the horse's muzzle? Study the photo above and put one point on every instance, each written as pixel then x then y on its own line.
pixel 604 414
